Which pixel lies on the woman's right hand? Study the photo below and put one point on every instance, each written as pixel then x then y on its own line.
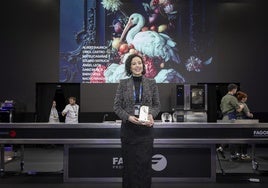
pixel 134 120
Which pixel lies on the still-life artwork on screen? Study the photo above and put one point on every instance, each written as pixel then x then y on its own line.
pixel 173 37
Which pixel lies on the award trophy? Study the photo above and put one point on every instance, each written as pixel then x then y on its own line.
pixel 144 112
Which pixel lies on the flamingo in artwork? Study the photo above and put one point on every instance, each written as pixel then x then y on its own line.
pixel 150 43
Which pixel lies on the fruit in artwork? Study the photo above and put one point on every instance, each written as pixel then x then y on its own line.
pixel 116 43
pixel 153 28
pixel 162 28
pixel 123 48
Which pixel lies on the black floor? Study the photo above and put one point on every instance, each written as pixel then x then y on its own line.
pixel 54 180
pixel 43 168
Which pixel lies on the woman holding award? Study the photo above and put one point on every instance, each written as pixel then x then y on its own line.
pixel 137 104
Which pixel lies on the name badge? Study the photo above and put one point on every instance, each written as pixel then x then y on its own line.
pixel 137 109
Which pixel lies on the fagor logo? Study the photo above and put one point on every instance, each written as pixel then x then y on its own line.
pixel 159 162
pixel 117 162
pixel 260 133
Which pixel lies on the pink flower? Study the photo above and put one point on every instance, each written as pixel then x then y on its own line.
pixel 97 75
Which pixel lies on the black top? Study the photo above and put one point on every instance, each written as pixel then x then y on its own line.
pixel 137 84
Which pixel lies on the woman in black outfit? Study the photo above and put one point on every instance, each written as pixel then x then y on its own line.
pixel 136 136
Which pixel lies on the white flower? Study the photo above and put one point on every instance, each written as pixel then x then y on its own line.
pixel 193 64
pixel 112 5
pixel 168 8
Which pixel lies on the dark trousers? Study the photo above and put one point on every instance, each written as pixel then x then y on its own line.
pixel 137 160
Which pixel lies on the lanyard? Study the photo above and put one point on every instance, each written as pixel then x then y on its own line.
pixel 74 108
pixel 140 93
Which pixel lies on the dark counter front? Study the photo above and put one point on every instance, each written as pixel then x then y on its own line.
pixel 169 163
pixel 84 133
pixel 182 151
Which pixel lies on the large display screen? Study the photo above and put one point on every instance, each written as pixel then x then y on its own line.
pixel 174 38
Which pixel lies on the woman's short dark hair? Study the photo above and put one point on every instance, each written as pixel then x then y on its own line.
pixel 128 64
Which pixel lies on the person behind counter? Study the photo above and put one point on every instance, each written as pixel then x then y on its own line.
pixel 136 137
pixel 229 104
pixel 71 111
pixel 244 114
pixel 229 108
pixel 54 115
pixel 242 99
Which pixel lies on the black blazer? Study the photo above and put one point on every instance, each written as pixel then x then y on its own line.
pixel 124 100
pixel 124 104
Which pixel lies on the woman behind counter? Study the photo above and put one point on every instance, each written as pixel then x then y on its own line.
pixel 54 115
pixel 136 137
pixel 242 99
pixel 244 114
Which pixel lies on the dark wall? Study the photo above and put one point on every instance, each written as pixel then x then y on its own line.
pixel 30 46
pixel 241 42
pixel 100 97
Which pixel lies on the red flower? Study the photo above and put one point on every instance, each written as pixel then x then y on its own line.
pixel 151 71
